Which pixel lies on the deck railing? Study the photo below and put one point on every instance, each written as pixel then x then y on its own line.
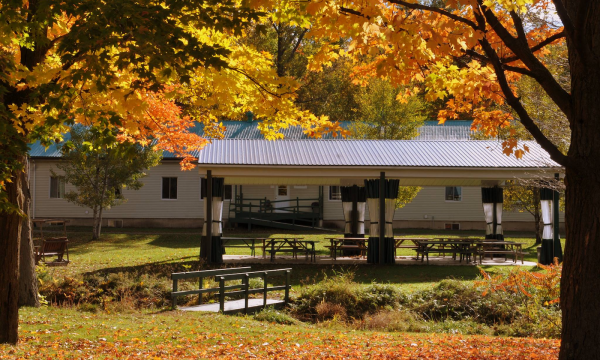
pixel 264 205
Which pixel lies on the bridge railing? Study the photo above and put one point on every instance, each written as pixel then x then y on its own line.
pixel 224 275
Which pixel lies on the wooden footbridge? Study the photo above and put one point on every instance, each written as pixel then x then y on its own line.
pixel 222 276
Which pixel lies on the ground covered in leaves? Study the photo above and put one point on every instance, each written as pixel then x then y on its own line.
pixel 55 333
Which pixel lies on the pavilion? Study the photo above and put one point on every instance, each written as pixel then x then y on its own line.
pixel 370 171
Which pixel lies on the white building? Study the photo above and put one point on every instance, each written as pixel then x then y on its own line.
pixel 172 198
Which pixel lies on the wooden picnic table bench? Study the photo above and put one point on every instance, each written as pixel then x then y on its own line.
pixel 240 242
pixel 500 247
pixel 399 241
pixel 53 247
pixel 289 244
pixel 461 247
pixel 341 244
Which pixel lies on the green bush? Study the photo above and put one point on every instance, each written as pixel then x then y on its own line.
pixel 457 300
pixel 271 315
pixel 391 320
pixel 340 296
pixel 145 291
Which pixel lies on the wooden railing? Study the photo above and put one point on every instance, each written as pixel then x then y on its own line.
pixel 224 275
pixel 265 205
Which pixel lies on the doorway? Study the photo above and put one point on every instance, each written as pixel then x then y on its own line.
pixel 282 197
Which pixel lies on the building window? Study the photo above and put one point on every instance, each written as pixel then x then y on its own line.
pixel 226 196
pixel 453 193
pixel 57 188
pixel 282 190
pixel 169 188
pixel 335 193
pixel 452 226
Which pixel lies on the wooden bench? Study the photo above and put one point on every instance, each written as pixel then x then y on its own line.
pixel 494 252
pixel 53 247
pixel 224 275
pixel 334 249
pixel 293 245
pixel 231 242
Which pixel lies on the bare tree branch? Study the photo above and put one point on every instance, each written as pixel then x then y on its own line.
pixel 447 14
pixel 538 46
pixel 521 49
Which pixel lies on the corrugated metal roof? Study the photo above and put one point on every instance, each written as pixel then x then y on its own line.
pixel 431 130
pixel 394 153
pixel 450 130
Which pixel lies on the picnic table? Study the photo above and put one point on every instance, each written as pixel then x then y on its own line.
pixel 240 242
pixel 462 247
pixel 494 247
pixel 289 244
pixel 340 244
pixel 399 241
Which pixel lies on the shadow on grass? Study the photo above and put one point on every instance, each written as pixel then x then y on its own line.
pixel 305 274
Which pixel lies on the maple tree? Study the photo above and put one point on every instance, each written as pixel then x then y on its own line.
pixel 99 167
pixel 127 66
pixel 470 54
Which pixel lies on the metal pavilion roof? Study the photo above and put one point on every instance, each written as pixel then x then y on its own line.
pixel 431 130
pixel 371 153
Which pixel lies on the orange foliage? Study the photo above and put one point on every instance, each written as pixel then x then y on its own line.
pixel 440 53
pixel 294 345
pixel 544 286
pixel 170 131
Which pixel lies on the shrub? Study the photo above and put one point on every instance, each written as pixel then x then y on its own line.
pixel 456 300
pixel 391 320
pixel 340 290
pixel 86 307
pixel 145 291
pixel 330 311
pixel 339 296
pixel 271 315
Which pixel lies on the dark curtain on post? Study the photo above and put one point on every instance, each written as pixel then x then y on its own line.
pixel 492 199
pixel 547 253
pixel 556 221
pixel 391 193
pixel 218 190
pixel 354 206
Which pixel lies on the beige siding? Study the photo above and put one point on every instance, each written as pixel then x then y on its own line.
pixel 144 203
pixel 147 203
pixel 430 202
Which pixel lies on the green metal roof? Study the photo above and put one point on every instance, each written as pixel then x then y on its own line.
pixel 248 130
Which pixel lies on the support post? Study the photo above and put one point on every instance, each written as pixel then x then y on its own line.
pixel 287 287
pixel 174 297
pixel 556 222
pixel 494 212
pixel 208 215
pixel 354 217
pixel 222 295
pixel 246 289
pixel 200 286
pixel 381 216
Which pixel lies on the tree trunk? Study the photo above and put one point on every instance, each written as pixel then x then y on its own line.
pixel 10 236
pixel 99 227
pixel 95 234
pixel 28 282
pixel 580 284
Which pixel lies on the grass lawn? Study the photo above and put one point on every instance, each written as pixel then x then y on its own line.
pixel 52 333
pixel 71 333
pixel 162 251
